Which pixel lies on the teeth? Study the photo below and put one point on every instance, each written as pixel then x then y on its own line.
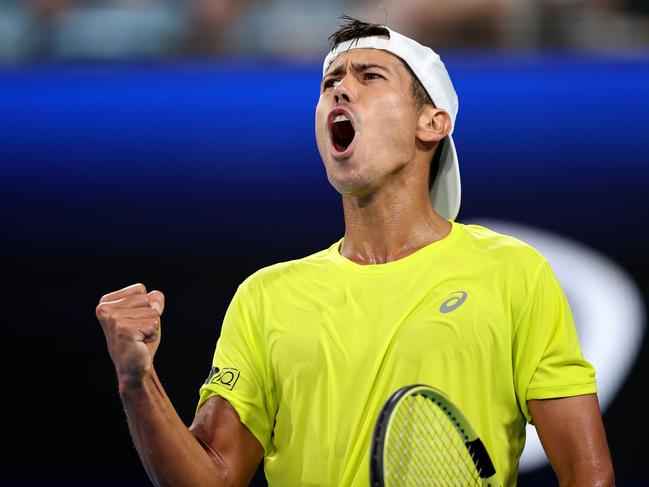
pixel 341 118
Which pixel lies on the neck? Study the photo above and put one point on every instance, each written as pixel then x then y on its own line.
pixel 388 227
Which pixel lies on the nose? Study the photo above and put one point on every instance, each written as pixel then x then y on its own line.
pixel 341 96
pixel 343 92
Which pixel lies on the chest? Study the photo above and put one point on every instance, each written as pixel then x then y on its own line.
pixel 346 332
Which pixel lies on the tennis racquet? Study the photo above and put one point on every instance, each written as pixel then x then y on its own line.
pixel 421 438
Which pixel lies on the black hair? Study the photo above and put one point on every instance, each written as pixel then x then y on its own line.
pixel 352 28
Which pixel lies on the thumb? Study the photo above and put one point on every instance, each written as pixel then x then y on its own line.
pixel 157 301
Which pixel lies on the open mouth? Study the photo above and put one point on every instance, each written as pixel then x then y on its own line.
pixel 342 133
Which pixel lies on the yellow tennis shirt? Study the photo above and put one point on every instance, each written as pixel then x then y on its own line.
pixel 310 349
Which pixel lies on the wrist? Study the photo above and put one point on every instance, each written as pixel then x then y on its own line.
pixel 129 382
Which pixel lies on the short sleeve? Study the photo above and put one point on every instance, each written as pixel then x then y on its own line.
pixel 547 357
pixel 238 370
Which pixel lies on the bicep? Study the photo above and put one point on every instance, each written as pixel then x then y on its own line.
pixel 218 427
pixel 573 437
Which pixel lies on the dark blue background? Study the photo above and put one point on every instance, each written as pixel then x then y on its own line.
pixel 190 176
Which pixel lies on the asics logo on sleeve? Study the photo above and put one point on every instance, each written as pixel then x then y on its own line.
pixel 454 302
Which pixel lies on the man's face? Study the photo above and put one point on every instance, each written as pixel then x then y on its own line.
pixel 365 120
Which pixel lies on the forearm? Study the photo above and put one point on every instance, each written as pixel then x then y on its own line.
pixel 170 453
pixel 573 436
pixel 586 475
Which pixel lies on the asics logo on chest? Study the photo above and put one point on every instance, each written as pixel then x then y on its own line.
pixel 454 302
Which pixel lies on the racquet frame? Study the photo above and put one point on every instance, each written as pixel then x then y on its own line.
pixel 472 442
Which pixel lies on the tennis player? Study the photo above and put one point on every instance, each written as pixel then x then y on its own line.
pixel 310 349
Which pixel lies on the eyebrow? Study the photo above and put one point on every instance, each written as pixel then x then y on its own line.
pixel 358 67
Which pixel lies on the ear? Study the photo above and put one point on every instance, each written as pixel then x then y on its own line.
pixel 433 124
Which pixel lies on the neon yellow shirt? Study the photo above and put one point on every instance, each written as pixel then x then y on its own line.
pixel 310 349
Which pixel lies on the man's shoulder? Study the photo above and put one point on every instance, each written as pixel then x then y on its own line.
pixel 499 246
pixel 291 270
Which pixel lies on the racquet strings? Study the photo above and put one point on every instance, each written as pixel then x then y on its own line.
pixel 423 447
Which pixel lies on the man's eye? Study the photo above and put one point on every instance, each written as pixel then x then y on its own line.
pixel 330 83
pixel 372 76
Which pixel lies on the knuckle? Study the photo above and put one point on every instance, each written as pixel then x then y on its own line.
pixel 154 326
pixel 139 288
pixel 102 311
pixel 149 323
pixel 122 330
pixel 114 315
pixel 116 322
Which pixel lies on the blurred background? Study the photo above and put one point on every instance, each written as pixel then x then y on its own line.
pixel 172 143
pixel 40 30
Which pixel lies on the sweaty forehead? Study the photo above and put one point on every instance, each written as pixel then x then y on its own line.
pixel 367 56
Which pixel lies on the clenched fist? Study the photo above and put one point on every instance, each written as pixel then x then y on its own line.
pixel 130 319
